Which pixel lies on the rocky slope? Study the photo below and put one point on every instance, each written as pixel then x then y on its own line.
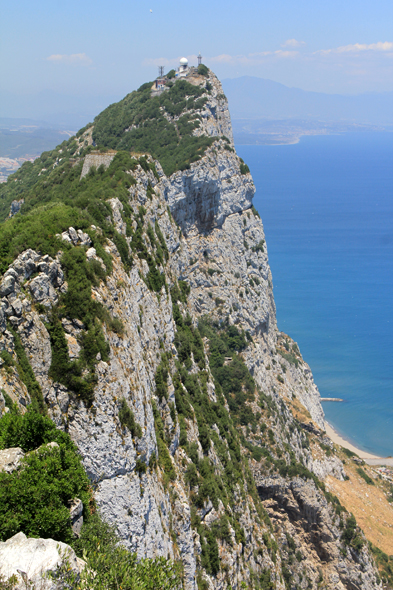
pixel 222 465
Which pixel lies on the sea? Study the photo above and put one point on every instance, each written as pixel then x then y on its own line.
pixel 327 208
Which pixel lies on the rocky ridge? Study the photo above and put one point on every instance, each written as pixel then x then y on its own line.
pixel 216 246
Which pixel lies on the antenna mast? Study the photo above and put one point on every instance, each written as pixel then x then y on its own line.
pixel 199 59
pixel 160 71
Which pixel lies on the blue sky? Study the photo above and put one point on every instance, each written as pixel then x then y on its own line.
pixel 101 48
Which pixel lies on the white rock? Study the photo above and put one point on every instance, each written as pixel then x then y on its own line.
pixel 10 458
pixel 36 558
pixel 91 253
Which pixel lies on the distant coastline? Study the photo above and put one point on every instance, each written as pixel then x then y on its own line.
pixel 368 458
pixel 290 131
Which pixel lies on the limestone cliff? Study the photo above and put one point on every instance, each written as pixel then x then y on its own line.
pixel 210 470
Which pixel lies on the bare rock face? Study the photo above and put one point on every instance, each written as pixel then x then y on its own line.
pixel 32 561
pixel 201 198
pixel 309 526
pixel 15 207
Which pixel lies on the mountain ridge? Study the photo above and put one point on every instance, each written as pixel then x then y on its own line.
pixel 255 98
pixel 143 304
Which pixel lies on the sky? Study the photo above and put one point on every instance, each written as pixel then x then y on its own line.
pixel 101 50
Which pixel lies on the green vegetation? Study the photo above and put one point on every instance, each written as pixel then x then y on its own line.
pixel 30 430
pixel 234 378
pixel 364 475
pixel 244 169
pixel 203 70
pixel 385 565
pixel 289 356
pixel 161 378
pixel 351 534
pixel 127 419
pixel 349 453
pixel 55 199
pixel 164 458
pixel 111 566
pixel 170 142
pixel 26 373
pixel 259 247
pixel 35 498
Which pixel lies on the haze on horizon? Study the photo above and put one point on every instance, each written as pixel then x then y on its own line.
pixel 79 57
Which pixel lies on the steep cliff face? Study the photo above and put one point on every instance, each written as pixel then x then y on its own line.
pixel 219 465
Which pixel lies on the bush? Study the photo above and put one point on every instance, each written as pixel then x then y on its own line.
pixel 111 566
pixel 35 498
pixel 26 373
pixel 244 169
pixel 127 419
pixel 203 70
pixel 30 430
pixel 350 536
pixel 364 475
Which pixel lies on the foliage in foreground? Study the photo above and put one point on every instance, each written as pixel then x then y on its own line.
pixel 35 498
pixel 111 566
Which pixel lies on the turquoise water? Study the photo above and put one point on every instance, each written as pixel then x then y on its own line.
pixel 327 208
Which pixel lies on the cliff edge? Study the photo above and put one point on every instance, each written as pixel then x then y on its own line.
pixel 137 288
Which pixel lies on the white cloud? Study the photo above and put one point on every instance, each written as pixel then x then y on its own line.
pixel 293 43
pixel 76 59
pixel 359 47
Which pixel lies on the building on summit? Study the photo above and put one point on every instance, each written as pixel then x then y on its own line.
pixel 162 82
pixel 183 68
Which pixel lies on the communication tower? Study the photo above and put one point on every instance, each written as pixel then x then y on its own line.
pixel 160 71
pixel 199 59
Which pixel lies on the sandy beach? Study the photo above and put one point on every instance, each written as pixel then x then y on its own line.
pixel 369 458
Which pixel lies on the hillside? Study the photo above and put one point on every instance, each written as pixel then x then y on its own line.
pixel 138 334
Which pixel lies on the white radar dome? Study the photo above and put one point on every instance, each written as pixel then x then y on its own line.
pixel 183 61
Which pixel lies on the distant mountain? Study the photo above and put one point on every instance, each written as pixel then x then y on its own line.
pixel 258 98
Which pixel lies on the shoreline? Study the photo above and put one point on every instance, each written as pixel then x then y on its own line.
pixel 369 458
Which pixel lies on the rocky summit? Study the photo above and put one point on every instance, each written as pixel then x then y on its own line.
pixel 138 333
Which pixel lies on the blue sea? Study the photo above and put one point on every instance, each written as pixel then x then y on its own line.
pixel 327 208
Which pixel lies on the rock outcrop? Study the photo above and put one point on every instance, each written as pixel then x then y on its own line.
pixel 39 563
pixel 10 459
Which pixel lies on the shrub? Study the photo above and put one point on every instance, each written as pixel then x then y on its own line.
pixel 259 247
pixel 127 419
pixel 244 169
pixel 203 70
pixel 30 430
pixel 26 373
pixel 35 498
pixel 161 379
pixel 110 566
pixel 349 453
pixel 364 475
pixel 350 536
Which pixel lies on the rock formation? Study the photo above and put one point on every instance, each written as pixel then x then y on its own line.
pixel 35 562
pixel 231 486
